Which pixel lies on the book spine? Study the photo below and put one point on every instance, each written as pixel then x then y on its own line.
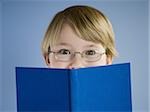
pixel 74 83
pixel 130 89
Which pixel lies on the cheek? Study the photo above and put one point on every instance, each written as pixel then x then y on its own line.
pixel 59 65
pixel 102 61
pixel 55 64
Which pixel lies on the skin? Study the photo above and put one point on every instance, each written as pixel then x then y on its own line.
pixel 69 40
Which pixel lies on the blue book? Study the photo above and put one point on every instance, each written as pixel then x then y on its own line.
pixel 105 88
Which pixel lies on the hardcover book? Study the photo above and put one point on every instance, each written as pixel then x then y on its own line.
pixel 102 88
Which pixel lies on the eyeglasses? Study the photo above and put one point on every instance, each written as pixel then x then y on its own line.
pixel 66 55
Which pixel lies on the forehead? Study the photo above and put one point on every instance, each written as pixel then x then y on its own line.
pixel 68 37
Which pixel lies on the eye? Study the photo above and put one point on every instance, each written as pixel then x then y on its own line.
pixel 90 52
pixel 64 52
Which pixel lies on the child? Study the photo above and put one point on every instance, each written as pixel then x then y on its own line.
pixel 79 36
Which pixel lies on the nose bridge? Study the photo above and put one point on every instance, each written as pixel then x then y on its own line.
pixel 75 53
pixel 77 61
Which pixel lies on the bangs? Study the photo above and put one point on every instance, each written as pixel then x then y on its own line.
pixel 87 23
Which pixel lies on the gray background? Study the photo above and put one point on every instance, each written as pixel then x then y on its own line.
pixel 23 24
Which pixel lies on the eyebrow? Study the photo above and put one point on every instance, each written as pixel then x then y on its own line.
pixel 67 44
pixel 63 44
pixel 91 45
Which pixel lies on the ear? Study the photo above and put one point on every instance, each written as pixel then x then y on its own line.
pixel 109 60
pixel 47 61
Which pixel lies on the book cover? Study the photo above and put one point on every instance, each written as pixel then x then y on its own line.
pixel 104 88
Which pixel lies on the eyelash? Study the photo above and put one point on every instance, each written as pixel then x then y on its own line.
pixel 62 50
pixel 66 51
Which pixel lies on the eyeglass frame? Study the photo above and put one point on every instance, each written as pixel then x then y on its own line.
pixel 73 55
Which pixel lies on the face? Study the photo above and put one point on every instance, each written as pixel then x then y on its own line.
pixel 70 51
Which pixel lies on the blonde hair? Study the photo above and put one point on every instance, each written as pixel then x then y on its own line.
pixel 88 23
